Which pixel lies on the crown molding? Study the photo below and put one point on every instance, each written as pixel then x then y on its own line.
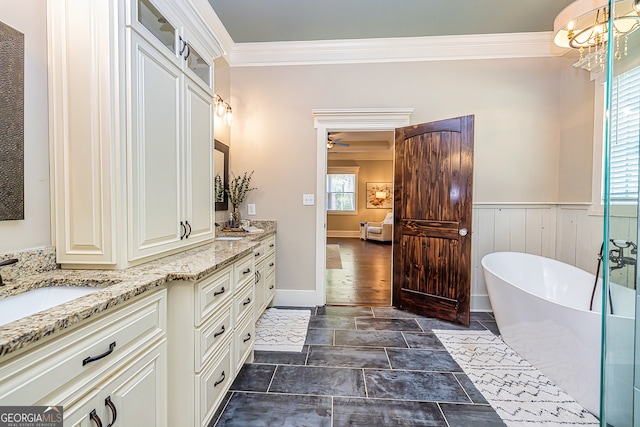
pixel 404 49
pixel 399 49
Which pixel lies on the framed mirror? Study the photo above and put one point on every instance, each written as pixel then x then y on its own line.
pixel 221 168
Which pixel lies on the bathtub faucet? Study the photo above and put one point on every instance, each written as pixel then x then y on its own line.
pixel 6 262
pixel 617 255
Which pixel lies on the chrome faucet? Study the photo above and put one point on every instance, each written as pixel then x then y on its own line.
pixel 7 262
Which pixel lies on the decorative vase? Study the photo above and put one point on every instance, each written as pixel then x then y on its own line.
pixel 235 218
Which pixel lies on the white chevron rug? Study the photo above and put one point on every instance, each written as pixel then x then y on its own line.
pixel 520 394
pixel 282 330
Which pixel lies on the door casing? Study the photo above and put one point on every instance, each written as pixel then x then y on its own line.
pixel 339 120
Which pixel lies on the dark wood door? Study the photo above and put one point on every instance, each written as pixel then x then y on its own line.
pixel 432 225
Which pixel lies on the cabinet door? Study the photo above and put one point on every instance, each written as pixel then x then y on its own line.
pixel 85 413
pixel 154 164
pixel 138 395
pixel 199 162
pixel 260 288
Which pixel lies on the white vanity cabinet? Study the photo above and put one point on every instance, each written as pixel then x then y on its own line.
pixel 211 334
pixel 134 397
pixel 265 256
pixel 131 119
pixel 113 366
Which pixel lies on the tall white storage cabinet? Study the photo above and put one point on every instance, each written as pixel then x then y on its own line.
pixel 131 101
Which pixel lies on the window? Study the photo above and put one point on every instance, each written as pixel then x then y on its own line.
pixel 625 138
pixel 342 184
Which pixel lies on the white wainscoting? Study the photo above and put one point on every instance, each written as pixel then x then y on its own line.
pixel 566 232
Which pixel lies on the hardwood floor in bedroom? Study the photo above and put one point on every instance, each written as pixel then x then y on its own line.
pixel 365 276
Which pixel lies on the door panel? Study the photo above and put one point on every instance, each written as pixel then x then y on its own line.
pixel 155 213
pixel 199 161
pixel 433 205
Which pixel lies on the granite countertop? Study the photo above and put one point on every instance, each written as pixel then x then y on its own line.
pixel 117 286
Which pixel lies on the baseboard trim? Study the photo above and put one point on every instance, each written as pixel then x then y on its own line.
pixel 480 303
pixel 298 298
pixel 343 233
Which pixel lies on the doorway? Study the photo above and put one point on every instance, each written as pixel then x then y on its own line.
pixel 326 121
pixel 359 197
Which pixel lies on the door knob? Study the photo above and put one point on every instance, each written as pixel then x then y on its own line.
pixel 463 232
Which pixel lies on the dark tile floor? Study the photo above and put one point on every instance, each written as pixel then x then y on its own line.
pixel 361 366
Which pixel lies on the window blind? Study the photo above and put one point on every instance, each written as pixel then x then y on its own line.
pixel 624 137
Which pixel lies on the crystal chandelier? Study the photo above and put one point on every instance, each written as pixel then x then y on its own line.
pixel 583 25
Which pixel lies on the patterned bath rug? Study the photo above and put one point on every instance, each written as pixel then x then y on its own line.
pixel 282 330
pixel 334 261
pixel 520 393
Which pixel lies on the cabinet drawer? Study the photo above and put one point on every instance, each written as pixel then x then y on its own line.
pixel 245 337
pixel 211 335
pixel 212 292
pixel 213 383
pixel 244 301
pixel 270 245
pixel 259 253
pixel 270 287
pixel 270 263
pixel 244 271
pixel 107 339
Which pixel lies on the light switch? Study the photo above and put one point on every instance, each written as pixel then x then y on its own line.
pixel 308 199
pixel 251 209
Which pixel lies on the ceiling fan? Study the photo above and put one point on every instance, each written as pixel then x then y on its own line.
pixel 331 142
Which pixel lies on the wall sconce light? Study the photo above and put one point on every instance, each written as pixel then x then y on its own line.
pixel 222 109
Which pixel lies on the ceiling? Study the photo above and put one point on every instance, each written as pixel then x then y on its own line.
pixel 306 20
pixel 259 21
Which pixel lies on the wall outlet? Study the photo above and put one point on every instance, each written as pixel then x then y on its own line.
pixel 251 209
pixel 308 199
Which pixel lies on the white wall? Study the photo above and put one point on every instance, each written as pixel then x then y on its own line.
pixel 29 17
pixel 520 119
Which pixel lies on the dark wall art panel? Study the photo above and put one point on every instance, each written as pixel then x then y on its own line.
pixel 11 123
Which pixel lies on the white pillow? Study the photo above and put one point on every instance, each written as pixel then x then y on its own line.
pixel 389 218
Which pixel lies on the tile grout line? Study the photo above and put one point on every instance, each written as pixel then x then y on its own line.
pixel 221 410
pixel 272 377
pixel 443 415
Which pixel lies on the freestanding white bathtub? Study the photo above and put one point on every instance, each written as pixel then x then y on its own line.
pixel 541 307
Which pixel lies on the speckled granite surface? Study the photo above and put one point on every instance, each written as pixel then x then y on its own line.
pixel 118 286
pixel 30 262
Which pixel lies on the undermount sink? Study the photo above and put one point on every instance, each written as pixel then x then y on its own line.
pixel 228 238
pixel 25 304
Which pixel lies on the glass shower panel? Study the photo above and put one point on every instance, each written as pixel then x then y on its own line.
pixel 621 384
